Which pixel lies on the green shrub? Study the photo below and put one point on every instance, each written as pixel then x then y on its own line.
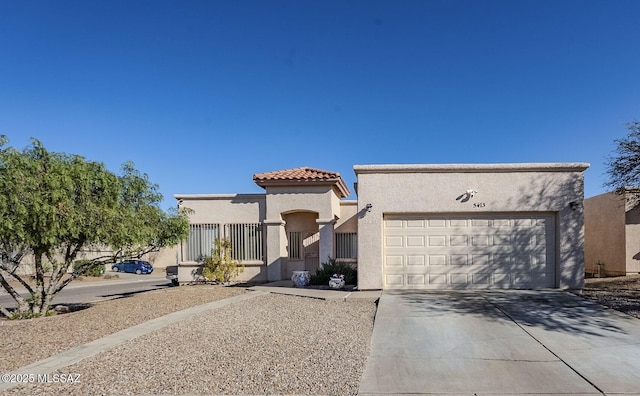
pixel 96 270
pixel 333 266
pixel 221 267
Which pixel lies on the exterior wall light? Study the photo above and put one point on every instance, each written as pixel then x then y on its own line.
pixel 368 207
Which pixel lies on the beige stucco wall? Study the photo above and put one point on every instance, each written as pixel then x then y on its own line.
pixel 348 221
pixel 604 237
pixel 162 258
pixel 612 235
pixel 223 209
pixel 288 199
pixel 404 189
pixel 281 209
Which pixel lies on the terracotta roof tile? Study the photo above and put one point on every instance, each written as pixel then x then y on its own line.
pixel 303 174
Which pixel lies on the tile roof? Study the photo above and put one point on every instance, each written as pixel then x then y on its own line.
pixel 303 174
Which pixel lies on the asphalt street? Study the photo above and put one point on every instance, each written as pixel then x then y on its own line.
pixel 83 292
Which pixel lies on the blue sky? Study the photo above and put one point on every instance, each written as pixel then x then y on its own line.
pixel 201 95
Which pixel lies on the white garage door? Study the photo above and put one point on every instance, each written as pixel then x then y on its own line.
pixel 469 251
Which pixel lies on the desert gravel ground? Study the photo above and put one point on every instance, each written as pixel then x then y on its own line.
pixel 27 341
pixel 621 293
pixel 270 344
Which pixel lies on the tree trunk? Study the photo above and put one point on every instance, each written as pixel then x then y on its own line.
pixel 39 295
pixel 23 305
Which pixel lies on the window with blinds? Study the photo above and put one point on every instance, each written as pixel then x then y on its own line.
pixel 346 245
pixel 246 241
pixel 200 241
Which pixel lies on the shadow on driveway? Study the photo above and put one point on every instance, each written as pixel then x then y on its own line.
pixel 550 310
pixel 500 342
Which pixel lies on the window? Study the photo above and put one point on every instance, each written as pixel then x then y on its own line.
pixel 246 241
pixel 346 245
pixel 200 241
pixel 295 245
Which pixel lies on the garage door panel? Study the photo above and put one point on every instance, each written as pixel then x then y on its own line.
pixel 483 223
pixel 416 260
pixel 459 259
pixel 393 223
pixel 523 240
pixel 482 260
pixel 416 279
pixel 469 251
pixel 394 241
pixel 394 261
pixel 458 279
pixel 502 240
pixel 502 260
pixel 459 240
pixel 437 259
pixel 438 279
pixel 394 280
pixel 415 223
pixel 481 279
pixel 437 240
pixel 502 280
pixel 480 240
pixel 415 241
pixel 528 280
pixel 525 263
pixel 502 223
pixel 460 223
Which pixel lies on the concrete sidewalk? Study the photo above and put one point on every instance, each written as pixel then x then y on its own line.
pixel 286 287
pixel 502 342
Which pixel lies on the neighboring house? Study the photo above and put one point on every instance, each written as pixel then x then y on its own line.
pixel 612 234
pixel 412 227
pixel 160 259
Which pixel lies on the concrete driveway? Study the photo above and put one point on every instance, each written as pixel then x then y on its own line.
pixel 501 342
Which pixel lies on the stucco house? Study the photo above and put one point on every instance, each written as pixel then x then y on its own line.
pixel 412 226
pixel 612 234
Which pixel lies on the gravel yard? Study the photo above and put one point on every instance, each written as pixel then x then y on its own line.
pixel 621 293
pixel 271 344
pixel 27 341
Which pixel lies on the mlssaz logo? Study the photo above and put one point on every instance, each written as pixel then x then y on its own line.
pixel 61 378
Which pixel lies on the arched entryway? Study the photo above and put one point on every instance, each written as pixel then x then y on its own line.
pixel 303 242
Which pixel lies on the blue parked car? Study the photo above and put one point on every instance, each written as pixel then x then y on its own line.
pixel 133 266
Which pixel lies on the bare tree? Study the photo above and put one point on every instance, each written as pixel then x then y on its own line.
pixel 623 168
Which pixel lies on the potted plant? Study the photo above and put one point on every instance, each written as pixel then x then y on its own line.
pixel 336 281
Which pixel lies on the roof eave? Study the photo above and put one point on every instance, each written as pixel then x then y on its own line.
pixel 338 184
